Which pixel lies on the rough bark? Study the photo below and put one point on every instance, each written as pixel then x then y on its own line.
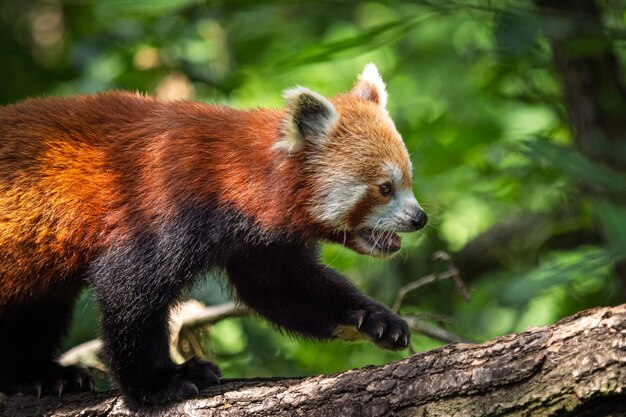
pixel 575 368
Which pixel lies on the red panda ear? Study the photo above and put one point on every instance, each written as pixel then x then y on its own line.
pixel 310 117
pixel 370 86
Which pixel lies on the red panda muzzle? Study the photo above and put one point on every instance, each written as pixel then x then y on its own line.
pixel 384 241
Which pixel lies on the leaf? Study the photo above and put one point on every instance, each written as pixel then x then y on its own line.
pixel 515 34
pixel 372 38
pixel 576 165
pixel 143 7
pixel 613 222
pixel 560 269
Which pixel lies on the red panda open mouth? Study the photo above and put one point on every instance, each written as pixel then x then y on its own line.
pixel 383 241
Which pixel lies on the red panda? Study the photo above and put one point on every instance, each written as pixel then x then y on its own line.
pixel 136 197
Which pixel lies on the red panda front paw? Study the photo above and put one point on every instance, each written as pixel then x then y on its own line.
pixel 186 381
pixel 379 325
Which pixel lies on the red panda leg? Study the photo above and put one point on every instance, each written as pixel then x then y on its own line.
pixel 31 338
pixel 135 296
pixel 140 362
pixel 286 284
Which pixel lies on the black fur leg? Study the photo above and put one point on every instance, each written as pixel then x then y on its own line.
pixel 138 351
pixel 136 287
pixel 33 335
pixel 286 284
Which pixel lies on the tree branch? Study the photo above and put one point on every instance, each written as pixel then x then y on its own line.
pixel 188 317
pixel 575 368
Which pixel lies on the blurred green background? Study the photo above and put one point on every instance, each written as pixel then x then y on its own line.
pixel 535 225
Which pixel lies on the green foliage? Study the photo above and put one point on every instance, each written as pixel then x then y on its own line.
pixel 473 91
pixel 575 165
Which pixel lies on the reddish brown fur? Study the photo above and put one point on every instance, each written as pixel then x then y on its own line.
pixel 79 173
pixel 137 197
pixel 373 141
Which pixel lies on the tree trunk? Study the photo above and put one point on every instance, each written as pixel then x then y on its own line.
pixel 595 96
pixel 575 368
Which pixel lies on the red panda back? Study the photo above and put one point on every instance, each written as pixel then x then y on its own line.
pixel 79 173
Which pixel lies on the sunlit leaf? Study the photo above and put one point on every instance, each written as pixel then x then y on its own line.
pixel 575 165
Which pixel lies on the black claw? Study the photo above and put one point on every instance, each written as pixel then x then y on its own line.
pixel 360 322
pixel 51 379
pixel 195 388
pixel 59 385
pixel 381 326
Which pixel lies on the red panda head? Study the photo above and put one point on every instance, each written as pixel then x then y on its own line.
pixel 356 164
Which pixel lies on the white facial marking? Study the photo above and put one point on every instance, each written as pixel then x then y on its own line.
pixel 396 214
pixel 408 205
pixel 337 196
pixel 394 172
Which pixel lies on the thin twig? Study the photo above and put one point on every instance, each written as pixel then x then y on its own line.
pixel 412 286
pixel 461 288
pixel 450 273
pixel 434 332
pixel 418 325
pixel 437 318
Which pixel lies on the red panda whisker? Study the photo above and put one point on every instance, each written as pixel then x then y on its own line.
pixel 343 245
pixel 374 231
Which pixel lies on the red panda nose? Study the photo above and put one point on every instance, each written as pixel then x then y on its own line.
pixel 419 220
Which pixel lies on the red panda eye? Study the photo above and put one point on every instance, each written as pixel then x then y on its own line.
pixel 385 189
